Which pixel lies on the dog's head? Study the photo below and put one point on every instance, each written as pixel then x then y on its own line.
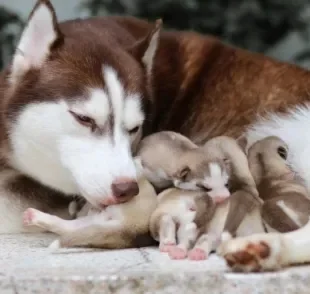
pixel 79 99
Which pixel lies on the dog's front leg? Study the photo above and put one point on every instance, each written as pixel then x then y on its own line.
pixel 262 252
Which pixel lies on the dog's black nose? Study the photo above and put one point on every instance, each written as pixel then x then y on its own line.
pixel 125 189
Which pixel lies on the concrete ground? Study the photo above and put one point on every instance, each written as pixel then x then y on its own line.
pixel 28 266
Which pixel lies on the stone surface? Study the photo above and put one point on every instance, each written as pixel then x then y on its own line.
pixel 28 266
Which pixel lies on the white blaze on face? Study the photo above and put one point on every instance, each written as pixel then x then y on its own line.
pixel 97 160
pixel 51 146
pixel 216 181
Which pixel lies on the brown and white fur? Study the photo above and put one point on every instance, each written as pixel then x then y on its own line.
pixel 79 95
pixel 286 200
pixel 238 213
pixel 170 159
pixel 286 208
pixel 72 112
pixel 121 225
pixel 180 217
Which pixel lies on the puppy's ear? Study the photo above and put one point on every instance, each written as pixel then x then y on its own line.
pixel 242 141
pixel 282 151
pixel 145 49
pixel 139 166
pixel 227 162
pixel 183 172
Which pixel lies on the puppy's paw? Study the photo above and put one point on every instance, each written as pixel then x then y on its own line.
pixel 166 246
pixel 30 217
pixel 197 254
pixel 177 253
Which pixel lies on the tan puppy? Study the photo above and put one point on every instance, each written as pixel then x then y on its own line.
pixel 237 214
pixel 170 159
pixel 179 218
pixel 286 208
pixel 117 226
pixel 286 199
pixel 224 167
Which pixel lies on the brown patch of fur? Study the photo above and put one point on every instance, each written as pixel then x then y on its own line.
pixel 276 182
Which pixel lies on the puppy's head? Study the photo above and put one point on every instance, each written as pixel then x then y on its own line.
pixel 198 172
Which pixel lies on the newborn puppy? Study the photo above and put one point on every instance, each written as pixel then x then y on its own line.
pixel 244 195
pixel 237 213
pixel 180 216
pixel 122 225
pixel 286 200
pixel 285 213
pixel 169 159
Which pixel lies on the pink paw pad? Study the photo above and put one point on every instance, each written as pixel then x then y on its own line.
pixel 197 254
pixel 177 253
pixel 166 247
pixel 28 217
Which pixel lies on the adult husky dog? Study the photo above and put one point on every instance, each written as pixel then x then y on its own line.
pixel 79 95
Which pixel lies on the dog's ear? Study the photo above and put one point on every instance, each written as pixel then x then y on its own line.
pixel 227 162
pixel 38 38
pixel 182 173
pixel 145 49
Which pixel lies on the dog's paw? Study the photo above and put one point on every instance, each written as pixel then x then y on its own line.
pixel 197 254
pixel 253 253
pixel 177 253
pixel 30 217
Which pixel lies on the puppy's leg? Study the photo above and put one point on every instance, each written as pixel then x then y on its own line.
pixel 167 233
pixel 286 213
pixel 251 224
pixel 212 238
pixel 18 193
pixel 201 248
pixel 52 223
pixel 187 235
pixel 271 251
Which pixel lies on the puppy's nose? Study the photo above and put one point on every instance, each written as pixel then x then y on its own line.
pixel 220 199
pixel 124 189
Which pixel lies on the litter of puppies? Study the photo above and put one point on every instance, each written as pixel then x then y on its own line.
pixel 247 206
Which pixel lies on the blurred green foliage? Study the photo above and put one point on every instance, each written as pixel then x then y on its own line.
pixel 10 26
pixel 252 24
